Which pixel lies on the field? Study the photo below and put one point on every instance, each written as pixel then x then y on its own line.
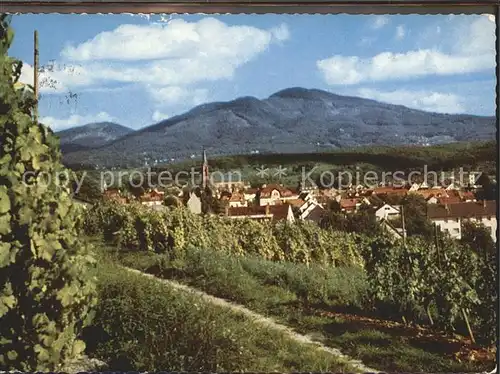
pixel 323 291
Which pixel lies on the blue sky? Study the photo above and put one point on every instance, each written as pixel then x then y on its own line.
pixel 137 70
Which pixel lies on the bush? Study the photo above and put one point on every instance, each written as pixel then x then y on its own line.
pixel 46 293
pixel 253 280
pixel 137 227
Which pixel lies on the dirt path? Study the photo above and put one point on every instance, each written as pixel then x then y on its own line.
pixel 258 318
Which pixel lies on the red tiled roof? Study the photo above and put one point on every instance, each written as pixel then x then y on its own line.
pixel 462 210
pixel 349 203
pixel 467 195
pixel 152 196
pixel 112 192
pixel 296 202
pixel 449 200
pixel 431 192
pixel 389 191
pixel 236 197
pixel 284 192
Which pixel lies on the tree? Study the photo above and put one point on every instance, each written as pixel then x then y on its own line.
pixel 135 187
pixel 46 292
pixel 89 190
pixel 334 206
pixel 478 238
pixel 488 188
pixel 171 201
pixel 334 221
pixel 364 221
pixel 209 203
pixel 415 213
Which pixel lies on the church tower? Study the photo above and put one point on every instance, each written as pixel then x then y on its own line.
pixel 204 175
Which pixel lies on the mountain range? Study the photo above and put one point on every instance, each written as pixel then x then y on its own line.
pixel 92 135
pixel 292 120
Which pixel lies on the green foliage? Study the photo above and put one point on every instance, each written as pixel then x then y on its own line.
pixel 257 281
pixel 362 221
pixel 283 290
pixel 46 294
pixel 408 280
pixel 477 238
pixel 137 227
pixel 142 325
pixel 415 211
pixel 90 188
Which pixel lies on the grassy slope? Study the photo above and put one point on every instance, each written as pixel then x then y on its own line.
pixel 296 296
pixel 141 325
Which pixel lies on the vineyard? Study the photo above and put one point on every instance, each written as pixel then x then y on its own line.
pixel 442 283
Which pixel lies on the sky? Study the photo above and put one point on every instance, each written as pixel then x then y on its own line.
pixel 137 70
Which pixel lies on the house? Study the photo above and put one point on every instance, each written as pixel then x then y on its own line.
pixel 227 182
pixel 350 205
pixel 311 210
pixel 316 214
pixel 451 197
pixel 237 200
pixel 115 195
pixel 194 203
pixel 390 190
pixel 414 187
pixel 329 192
pixel 306 196
pixel 269 212
pixel 274 194
pixel 250 194
pixel 449 217
pixel 386 212
pixel 296 203
pixel 467 196
pixel 153 197
pixel 427 193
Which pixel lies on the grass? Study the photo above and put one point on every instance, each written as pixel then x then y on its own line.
pixel 306 298
pixel 142 325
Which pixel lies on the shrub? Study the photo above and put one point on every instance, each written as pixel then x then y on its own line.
pixel 45 291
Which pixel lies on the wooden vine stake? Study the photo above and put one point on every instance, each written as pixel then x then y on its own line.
pixel 404 244
pixel 466 319
pixel 35 74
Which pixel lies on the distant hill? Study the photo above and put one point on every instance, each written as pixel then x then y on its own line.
pixel 289 121
pixel 90 136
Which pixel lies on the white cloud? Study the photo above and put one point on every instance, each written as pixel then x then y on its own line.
pixel 159 116
pixel 400 32
pixel 424 100
pixel 473 51
pixel 379 22
pixel 163 55
pixel 177 40
pixel 57 124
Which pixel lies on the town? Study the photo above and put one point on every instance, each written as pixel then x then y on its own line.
pixel 448 207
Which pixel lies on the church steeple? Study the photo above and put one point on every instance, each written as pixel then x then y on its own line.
pixel 204 175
